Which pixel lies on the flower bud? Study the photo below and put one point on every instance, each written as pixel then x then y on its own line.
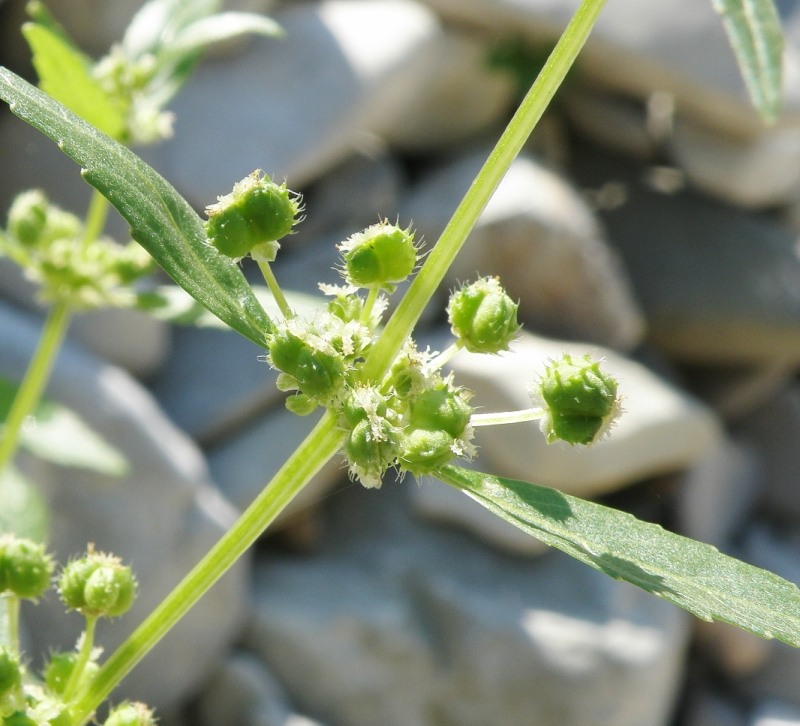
pixel 25 567
pixel 581 400
pixel 379 257
pixel 130 714
pixel 257 211
pixel 97 585
pixel 483 317
pixel 370 449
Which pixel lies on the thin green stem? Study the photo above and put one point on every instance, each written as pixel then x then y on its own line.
pixel 507 417
pixel 317 448
pixel 9 631
pixel 84 655
pixel 369 304
pixel 95 218
pixel 430 276
pixel 35 380
pixel 446 355
pixel 275 289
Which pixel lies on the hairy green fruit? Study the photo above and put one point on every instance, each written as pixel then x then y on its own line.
pixel 10 674
pixel 315 370
pixel 27 217
pixel 25 567
pixel 97 585
pixel 371 448
pixel 424 451
pixel 440 408
pixel 483 317
pixel 257 211
pixel 60 667
pixel 581 400
pixel 379 257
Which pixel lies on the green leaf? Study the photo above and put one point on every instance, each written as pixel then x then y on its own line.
pixel 57 434
pixel 161 220
pixel 754 32
pixel 690 574
pixel 218 28
pixel 173 305
pixel 64 73
pixel 23 510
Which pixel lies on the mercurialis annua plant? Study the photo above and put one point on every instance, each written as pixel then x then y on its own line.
pixel 413 418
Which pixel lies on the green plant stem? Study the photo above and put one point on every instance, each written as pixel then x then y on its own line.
pixel 317 448
pixel 446 356
pixel 96 217
pixel 507 417
pixel 405 317
pixel 84 655
pixel 369 304
pixel 9 631
pixel 275 289
pixel 35 380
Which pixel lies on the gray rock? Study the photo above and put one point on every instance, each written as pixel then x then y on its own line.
pixel 246 462
pixel 442 504
pixel 731 651
pixel 216 381
pixel 161 516
pixel 718 494
pixel 661 429
pixel 779 676
pixel 615 122
pixel 772 432
pixel 298 106
pixel 736 393
pixel 639 46
pixel 355 194
pixel 717 285
pixel 213 382
pixel 711 709
pixel 542 240
pixel 752 172
pixel 243 692
pixel 775 713
pixel 126 337
pixel 397 623
pixel 455 96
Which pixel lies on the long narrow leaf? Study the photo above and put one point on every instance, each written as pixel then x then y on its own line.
pixel 161 220
pixel 693 575
pixel 754 32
